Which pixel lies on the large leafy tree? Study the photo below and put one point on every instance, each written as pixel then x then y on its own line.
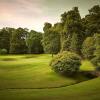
pixel 17 43
pixel 76 43
pixel 72 34
pixel 34 43
pixel 92 21
pixel 51 39
pixel 5 36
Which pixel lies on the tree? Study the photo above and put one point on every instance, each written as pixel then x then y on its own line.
pixel 46 27
pixel 34 43
pixel 97 45
pixel 5 36
pixel 51 42
pixel 18 44
pixel 72 34
pixel 92 21
pixel 96 59
pixel 66 44
pixel 88 48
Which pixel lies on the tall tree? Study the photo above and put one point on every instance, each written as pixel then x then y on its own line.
pixel 92 21
pixel 34 42
pixel 5 36
pixel 88 47
pixel 51 40
pixel 72 29
pixel 18 44
pixel 97 45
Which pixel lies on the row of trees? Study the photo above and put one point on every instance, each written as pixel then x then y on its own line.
pixel 78 36
pixel 20 41
pixel 72 33
pixel 75 34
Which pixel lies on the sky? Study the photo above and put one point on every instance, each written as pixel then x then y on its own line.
pixel 32 14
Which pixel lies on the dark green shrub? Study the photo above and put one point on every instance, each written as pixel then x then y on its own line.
pixel 3 51
pixel 66 63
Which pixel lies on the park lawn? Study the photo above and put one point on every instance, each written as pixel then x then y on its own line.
pixel 30 71
pixel 87 90
pixel 23 77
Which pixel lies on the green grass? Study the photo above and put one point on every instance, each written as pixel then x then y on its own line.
pixel 87 66
pixel 26 72
pixel 89 90
pixel 29 71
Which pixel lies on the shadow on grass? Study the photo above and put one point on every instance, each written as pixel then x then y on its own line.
pixel 30 56
pixel 82 75
pixel 79 77
pixel 8 59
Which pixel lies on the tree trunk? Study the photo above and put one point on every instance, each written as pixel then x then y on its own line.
pixel 52 55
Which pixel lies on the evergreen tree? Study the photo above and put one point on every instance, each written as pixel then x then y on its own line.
pixel 72 34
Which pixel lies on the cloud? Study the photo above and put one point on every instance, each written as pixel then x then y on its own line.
pixel 34 13
pixel 21 12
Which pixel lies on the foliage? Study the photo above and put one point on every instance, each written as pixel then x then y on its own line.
pixel 92 21
pixel 5 36
pixel 66 63
pixel 97 45
pixel 17 43
pixel 51 41
pixel 33 41
pixel 76 42
pixel 72 31
pixel 88 48
pixel 3 51
pixel 47 26
pixel 96 59
pixel 66 45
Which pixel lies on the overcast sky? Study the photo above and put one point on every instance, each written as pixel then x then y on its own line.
pixel 33 14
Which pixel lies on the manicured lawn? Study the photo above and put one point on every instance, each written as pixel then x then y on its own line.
pixel 89 90
pixel 87 66
pixel 23 77
pixel 29 71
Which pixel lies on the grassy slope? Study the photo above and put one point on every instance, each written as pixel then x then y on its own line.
pixel 89 90
pixel 23 73
pixel 29 71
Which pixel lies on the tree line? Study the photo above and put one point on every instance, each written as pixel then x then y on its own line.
pixel 20 41
pixel 75 34
pixel 72 33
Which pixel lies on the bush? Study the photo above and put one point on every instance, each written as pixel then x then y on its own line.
pixel 3 51
pixel 66 63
